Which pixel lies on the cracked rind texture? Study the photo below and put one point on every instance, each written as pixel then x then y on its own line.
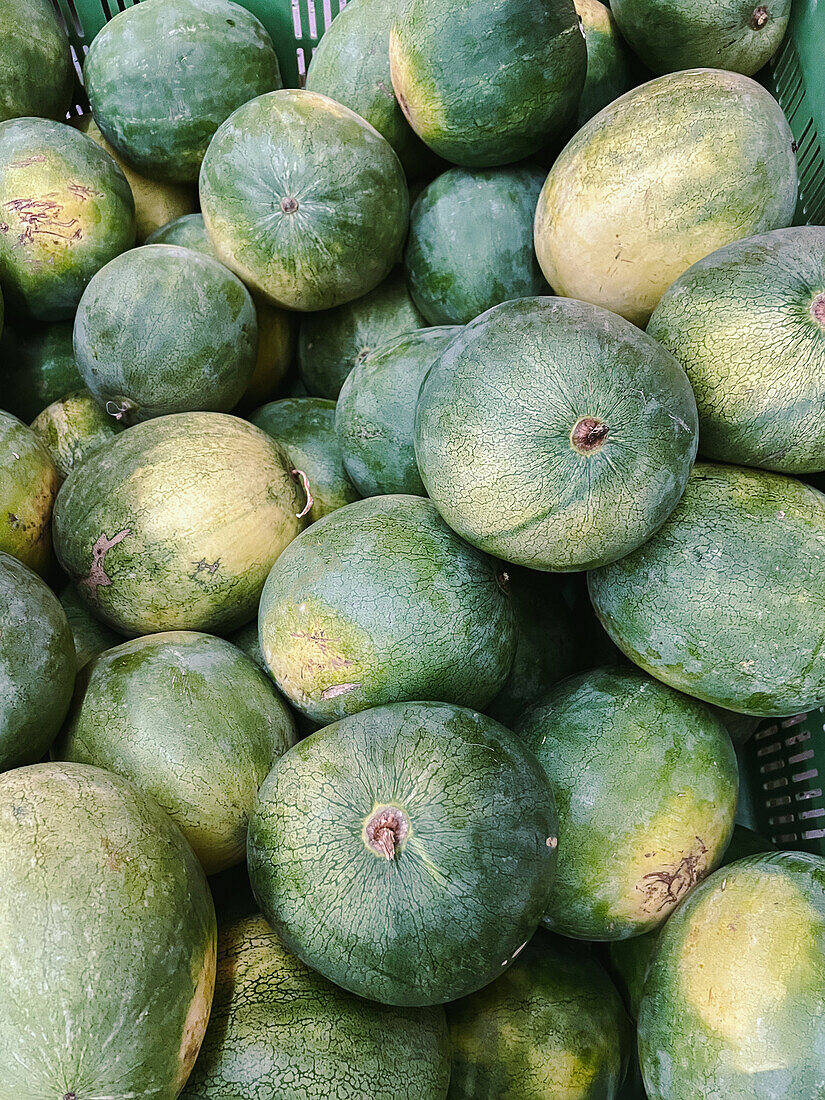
pixel 108 939
pixel 645 781
pixel 72 428
pixel 192 721
pixel 164 329
pixel 279 1029
pixel 158 532
pixel 28 485
pixel 610 67
pixel 742 323
pixel 380 602
pixel 487 82
pixel 37 367
pixel 37 665
pixel 471 242
pixel 494 423
pixel 666 174
pixel 467 886
pixel 375 414
pixel 65 211
pixel 552 1026
pixel 342 182
pixel 36 72
pixel 727 601
pixel 733 1007
pixel 89 633
pixel 162 76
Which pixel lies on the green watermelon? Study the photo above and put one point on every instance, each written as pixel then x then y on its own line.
pixel 37 665
pixel 332 343
pixel 380 602
pixel 554 434
pixel 609 62
pixel 667 173
pixel 28 485
pixel 727 601
pixel 646 782
pixel 90 635
pixel 553 1026
pixel 405 853
pixel 162 76
pixel 748 325
pixel 734 996
pixel 71 428
pixel 279 1029
pixel 471 242
pixel 107 939
pixel 197 702
pixel 304 428
pixel 164 329
pixel 486 84
pixel 37 367
pixel 65 210
pixel 36 72
pixel 157 534
pixel 283 157
pixel 375 415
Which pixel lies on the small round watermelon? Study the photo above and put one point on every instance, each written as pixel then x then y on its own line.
pixel 28 485
pixel 89 633
pixel 37 367
pixel 609 62
pixel 71 428
pixel 36 72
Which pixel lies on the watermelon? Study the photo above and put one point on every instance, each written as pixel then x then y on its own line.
pixel 279 1029
pixel 554 434
pixel 107 939
pixel 193 700
pixel 552 1026
pixel 486 84
pixel 304 428
pixel 405 853
pixel 37 665
pixel 332 343
pixel 220 56
pixel 748 325
pixel 164 329
pixel 734 996
pixel 37 367
pixel 71 428
pixel 155 533
pixel 36 71
pixel 375 415
pixel 90 635
pixel 637 769
pixel 321 243
pixel 66 210
pixel 727 601
pixel 669 172
pixel 28 485
pixel 609 62
pixel 380 602
pixel 471 242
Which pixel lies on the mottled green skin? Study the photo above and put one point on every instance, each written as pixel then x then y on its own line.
pixel 466 886
pixel 71 428
pixel 745 1019
pixel 304 428
pixel 552 1027
pixel 164 329
pixel 192 721
pixel 99 892
pixel 742 324
pixel 351 64
pixel 37 665
pixel 471 242
pixel 192 552
pixel 279 1029
pixel 727 601
pixel 161 78
pixel 28 485
pixel 66 211
pixel 347 206
pixel 36 71
pixel 487 82
pixel 375 415
pixel 381 602
pixel 90 635
pixel 738 35
pixel 609 62
pixel 493 434
pixel 37 367
pixel 331 344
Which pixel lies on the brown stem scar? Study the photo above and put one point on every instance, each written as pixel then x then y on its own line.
pixel 759 17
pixel 98 577
pixel 386 829
pixel 818 309
pixel 305 486
pixel 589 434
